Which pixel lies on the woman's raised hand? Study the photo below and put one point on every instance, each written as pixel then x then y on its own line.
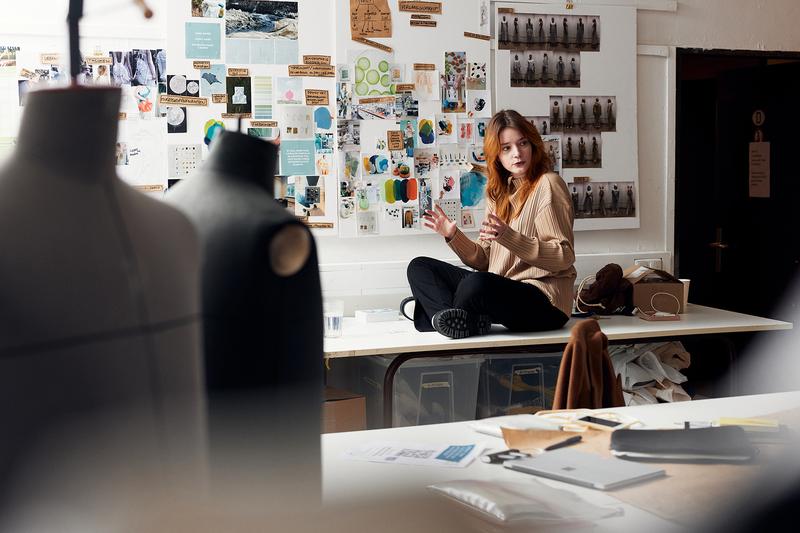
pixel 438 222
pixel 492 228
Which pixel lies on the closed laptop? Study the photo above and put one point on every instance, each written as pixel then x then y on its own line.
pixel 585 469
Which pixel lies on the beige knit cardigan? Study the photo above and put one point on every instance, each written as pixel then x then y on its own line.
pixel 538 245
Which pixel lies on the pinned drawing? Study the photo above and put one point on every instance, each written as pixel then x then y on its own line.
pixel 370 18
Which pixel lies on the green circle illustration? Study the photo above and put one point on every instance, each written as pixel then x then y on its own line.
pixel 385 80
pixel 363 63
pixel 373 77
pixel 383 66
pixel 392 88
pixel 359 75
pixel 374 92
pixel 362 89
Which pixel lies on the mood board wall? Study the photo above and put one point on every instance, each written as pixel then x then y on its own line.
pixel 369 138
pixel 441 119
pixel 573 73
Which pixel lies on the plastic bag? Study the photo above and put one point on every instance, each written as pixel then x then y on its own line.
pixel 528 503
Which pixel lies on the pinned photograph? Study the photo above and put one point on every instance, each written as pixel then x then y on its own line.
pixel 426 132
pixel 426 162
pixel 349 174
pixel 212 81
pixel 453 83
pixel 397 73
pixel 309 196
pixel 402 165
pixel 479 104
pixel 347 208
pixel 555 32
pixel 211 9
pixel 476 77
pixel 183 159
pixel 289 90
pixel 348 134
pixel 297 121
pixel 408 128
pixel 261 19
pixel 266 134
pixel 323 163
pixel 239 91
pixel 406 105
pixel 176 119
pixel 382 109
pixel 8 60
pixel 476 155
pixel 556 121
pixel 344 72
pixel 466 131
pixel 480 129
pixel 410 217
pixel 446 129
pixel 122 154
pixel 542 124
pixel 367 222
pixel 426 85
pixel 344 101
pixel 473 190
pixel 552 147
pixel 323 142
pixel 583 150
pixel 424 191
pixel 145 98
pixel 452 156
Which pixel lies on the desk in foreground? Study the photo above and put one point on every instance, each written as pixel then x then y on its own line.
pixel 346 481
pixel 390 338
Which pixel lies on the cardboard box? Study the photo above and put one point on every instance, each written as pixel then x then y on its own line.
pixel 343 411
pixel 655 290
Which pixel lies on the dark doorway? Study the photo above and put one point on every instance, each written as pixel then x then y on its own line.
pixel 741 252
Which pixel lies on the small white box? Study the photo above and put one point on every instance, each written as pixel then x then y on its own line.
pixel 366 316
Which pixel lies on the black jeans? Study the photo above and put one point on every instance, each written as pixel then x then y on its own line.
pixel 518 306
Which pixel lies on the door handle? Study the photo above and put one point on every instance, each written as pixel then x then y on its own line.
pixel 719 245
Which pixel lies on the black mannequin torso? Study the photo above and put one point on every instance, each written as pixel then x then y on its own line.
pixel 262 311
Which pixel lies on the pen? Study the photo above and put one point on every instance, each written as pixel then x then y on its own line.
pixel 569 442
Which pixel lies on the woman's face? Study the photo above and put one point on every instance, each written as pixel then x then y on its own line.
pixel 516 152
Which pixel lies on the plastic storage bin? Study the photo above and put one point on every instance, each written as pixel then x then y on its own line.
pixel 426 391
pixel 514 384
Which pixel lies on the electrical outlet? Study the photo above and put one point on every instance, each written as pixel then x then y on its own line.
pixel 650 262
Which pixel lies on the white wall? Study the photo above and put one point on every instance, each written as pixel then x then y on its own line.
pixel 371 271
pixel 663 25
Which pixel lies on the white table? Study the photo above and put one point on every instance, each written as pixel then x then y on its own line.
pixel 400 338
pixel 347 480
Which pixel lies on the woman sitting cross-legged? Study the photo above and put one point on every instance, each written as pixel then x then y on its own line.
pixel 523 256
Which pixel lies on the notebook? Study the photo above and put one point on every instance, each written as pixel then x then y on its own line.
pixel 585 469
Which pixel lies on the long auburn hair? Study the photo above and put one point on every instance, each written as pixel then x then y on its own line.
pixel 498 187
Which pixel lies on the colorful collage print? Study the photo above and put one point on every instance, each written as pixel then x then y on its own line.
pixel 395 161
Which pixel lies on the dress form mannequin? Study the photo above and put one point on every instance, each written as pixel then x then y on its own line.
pixel 262 310
pixel 100 309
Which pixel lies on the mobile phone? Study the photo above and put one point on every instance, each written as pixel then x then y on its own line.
pixel 600 423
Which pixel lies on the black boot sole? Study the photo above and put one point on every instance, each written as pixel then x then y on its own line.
pixel 457 324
